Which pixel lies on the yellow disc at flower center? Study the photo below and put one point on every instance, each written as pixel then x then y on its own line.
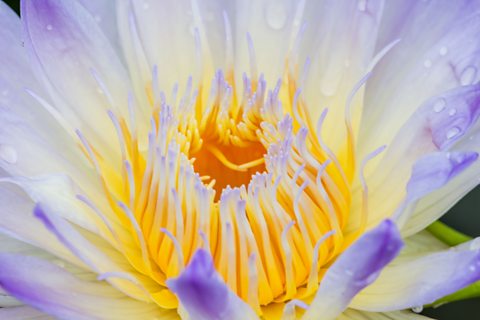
pixel 235 174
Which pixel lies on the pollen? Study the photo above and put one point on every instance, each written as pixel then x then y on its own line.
pixel 242 172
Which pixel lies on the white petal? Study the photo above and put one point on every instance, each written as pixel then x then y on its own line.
pixel 58 293
pixel 76 63
pixel 420 281
pixel 355 269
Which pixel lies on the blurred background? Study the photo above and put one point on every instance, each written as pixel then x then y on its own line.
pixel 464 217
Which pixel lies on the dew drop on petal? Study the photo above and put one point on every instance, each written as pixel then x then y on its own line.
pixel 276 14
pixel 49 27
pixel 5 92
pixel 468 76
pixel 427 63
pixel 417 309
pixel 439 105
pixel 443 51
pixel 472 268
pixel 97 18
pixel 452 132
pixel 452 112
pixel 362 5
pixel 146 5
pixel 8 154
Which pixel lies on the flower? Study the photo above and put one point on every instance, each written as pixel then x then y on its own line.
pixel 234 159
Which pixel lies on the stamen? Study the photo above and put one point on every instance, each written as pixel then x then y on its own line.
pixel 312 283
pixel 104 219
pixel 104 89
pixel 326 149
pixel 138 232
pixel 290 287
pixel 364 212
pixel 221 157
pixel 289 312
pixel 52 111
pixel 253 283
pixel 178 249
pixel 379 56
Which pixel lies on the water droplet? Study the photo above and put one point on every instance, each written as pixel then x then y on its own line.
pixel 98 18
pixel 468 76
pixel 472 268
pixel 362 5
pixel 417 309
pixel 448 155
pixel 276 14
pixel 348 272
pixel 5 92
pixel 452 112
pixel 452 132
pixel 347 63
pixel 439 105
pixel 427 63
pixel 146 5
pixel 443 51
pixel 8 154
pixel 49 27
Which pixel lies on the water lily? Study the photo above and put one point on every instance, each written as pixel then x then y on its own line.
pixel 268 159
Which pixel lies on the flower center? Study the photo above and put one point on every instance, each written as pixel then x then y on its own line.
pixel 243 175
pixel 228 165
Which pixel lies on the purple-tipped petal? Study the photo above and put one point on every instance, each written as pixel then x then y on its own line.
pixel 354 270
pixel 421 281
pixel 93 256
pixel 435 55
pixel 435 170
pixel 75 61
pixel 441 124
pixel 56 292
pixel 204 294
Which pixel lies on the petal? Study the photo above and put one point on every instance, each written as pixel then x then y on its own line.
pixel 99 261
pixel 24 124
pixel 432 128
pixel 435 170
pixel 159 24
pixel 351 314
pixel 76 63
pixel 17 222
pixel 23 313
pixel 420 281
pixel 57 192
pixel 418 245
pixel 339 39
pixel 429 174
pixel 204 294
pixel 434 56
pixel 356 268
pixel 103 11
pixel 54 291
